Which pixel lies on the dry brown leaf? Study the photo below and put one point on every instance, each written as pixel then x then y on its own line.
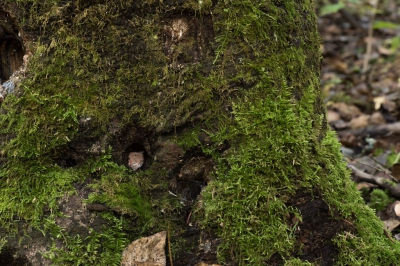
pixel 348 140
pixel 339 124
pixel 347 112
pixel 340 66
pixel 379 101
pixel 391 224
pixel 377 119
pixel 362 185
pixel 360 88
pixel 384 51
pixel 396 171
pixel 332 116
pixel 333 29
pixel 359 122
pixel 390 106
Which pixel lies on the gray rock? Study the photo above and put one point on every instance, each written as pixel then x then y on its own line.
pixel 146 251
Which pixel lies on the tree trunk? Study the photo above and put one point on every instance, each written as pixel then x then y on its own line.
pixel 205 117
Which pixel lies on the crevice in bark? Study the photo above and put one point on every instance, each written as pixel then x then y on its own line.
pixel 187 39
pixel 314 234
pixel 9 256
pixel 189 177
pixel 11 47
pixel 317 230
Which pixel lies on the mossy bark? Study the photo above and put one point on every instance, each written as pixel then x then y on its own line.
pixel 222 96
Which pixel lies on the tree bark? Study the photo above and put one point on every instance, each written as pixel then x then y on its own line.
pixel 221 100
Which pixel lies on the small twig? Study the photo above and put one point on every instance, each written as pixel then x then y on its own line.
pixel 347 16
pixel 169 245
pixel 172 194
pixel 383 168
pixel 393 188
pixel 387 234
pixel 188 219
pixel 352 20
pixel 369 39
pixel 386 171
pixel 350 223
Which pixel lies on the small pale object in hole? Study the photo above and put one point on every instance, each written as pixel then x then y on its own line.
pixel 135 160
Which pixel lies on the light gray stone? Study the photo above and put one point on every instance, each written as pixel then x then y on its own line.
pixel 146 251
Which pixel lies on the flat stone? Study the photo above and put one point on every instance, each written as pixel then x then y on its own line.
pixel 146 251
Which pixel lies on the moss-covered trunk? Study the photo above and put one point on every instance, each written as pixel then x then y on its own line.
pixel 203 115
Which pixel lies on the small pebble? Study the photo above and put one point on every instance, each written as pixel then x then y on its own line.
pixel 136 160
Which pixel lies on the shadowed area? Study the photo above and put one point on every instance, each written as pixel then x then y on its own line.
pixel 11 47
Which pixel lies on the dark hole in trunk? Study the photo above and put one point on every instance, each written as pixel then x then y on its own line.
pixel 11 55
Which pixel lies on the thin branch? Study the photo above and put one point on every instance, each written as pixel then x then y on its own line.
pixel 369 39
pixel 169 245
pixel 381 169
pixel 393 188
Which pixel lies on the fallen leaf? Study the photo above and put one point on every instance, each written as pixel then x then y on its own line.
pixel 332 116
pixel 396 171
pixel 359 122
pixel 390 106
pixel 378 102
pixel 384 51
pixel 347 112
pixel 377 119
pixel 362 185
pixel 339 124
pixel 348 140
pixel 340 66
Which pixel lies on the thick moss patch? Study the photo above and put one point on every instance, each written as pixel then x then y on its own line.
pixel 242 74
pixel 280 144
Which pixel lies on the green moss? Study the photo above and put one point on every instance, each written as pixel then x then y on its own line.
pixel 119 189
pixel 271 133
pixel 189 139
pixel 379 200
pixel 378 152
pixel 258 174
pixel 95 59
pixel 392 159
pixel 297 262
pixel 280 141
pixel 77 70
pixel 27 197
pixel 99 248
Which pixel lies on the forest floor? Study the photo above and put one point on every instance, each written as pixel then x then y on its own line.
pixel 362 95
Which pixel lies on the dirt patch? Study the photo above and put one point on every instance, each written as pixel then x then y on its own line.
pixel 315 233
pixel 9 256
pixel 318 228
